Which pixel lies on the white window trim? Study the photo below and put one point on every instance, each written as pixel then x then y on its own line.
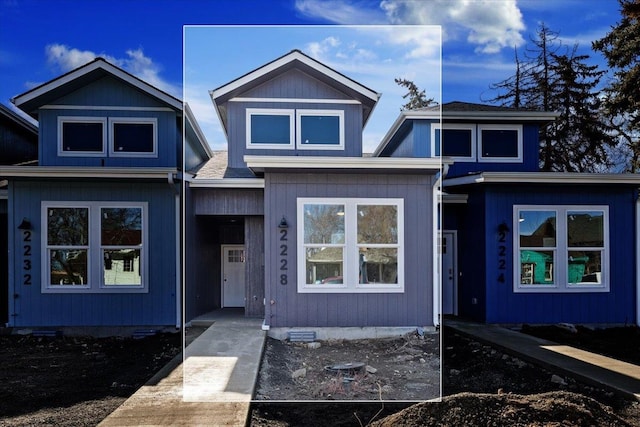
pixel 82 119
pixel 517 128
pixel 350 282
pixel 94 250
pixel 336 113
pixel 269 112
pixel 135 120
pixel 461 126
pixel 561 251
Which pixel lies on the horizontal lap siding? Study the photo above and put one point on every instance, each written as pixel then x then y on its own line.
pixel 157 307
pixel 616 306
pixel 287 307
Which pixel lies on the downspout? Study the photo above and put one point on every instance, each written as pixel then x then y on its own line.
pixel 637 260
pixel 437 243
pixel 178 275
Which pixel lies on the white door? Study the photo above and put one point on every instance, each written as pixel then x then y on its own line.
pixel 233 276
pixel 449 273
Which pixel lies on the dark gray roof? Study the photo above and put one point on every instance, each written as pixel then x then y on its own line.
pixel 216 168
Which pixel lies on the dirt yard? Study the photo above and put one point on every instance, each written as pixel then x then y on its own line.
pixel 79 381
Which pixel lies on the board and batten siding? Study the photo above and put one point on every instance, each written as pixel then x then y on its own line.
pixel 617 306
pixel 31 307
pixel 221 201
pixel 287 308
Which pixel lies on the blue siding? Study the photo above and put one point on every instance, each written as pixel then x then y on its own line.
pixel 530 153
pixel 290 308
pixel 112 93
pixel 617 306
pixel 31 307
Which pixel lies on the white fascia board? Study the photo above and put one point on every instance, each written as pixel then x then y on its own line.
pixel 202 139
pixel 86 172
pixel 544 178
pixel 260 163
pixel 96 64
pixel 294 55
pixel 227 183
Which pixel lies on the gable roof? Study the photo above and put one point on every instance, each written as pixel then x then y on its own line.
pixel 14 117
pixel 293 60
pixel 41 95
pixel 462 111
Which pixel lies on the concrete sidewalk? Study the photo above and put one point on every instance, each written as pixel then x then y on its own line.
pixel 212 386
pixel 621 377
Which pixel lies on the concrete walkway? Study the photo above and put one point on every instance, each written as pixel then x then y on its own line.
pixel 212 386
pixel 621 377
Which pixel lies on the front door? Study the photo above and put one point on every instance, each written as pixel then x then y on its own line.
pixel 449 273
pixel 233 259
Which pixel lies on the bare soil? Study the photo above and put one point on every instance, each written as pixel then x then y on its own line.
pixel 75 381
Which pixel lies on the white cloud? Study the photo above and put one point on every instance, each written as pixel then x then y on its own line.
pixel 491 25
pixel 65 58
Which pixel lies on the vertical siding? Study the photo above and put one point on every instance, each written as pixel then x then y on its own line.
pixel 254 265
pixel 615 306
pixel 157 307
pixel 290 308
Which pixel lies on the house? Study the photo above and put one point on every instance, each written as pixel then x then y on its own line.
pixel 18 145
pixel 94 229
pixel 294 224
pixel 520 245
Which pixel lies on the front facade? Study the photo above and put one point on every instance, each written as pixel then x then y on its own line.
pixel 94 227
pixel 523 246
pixel 327 237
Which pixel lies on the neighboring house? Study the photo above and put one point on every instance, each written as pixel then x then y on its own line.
pixel 294 224
pixel 520 245
pixel 18 145
pixel 94 228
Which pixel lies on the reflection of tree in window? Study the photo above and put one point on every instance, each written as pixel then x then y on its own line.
pixel 121 226
pixel 324 224
pixel 67 229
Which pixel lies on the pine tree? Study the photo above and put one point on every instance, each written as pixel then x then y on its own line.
pixel 417 98
pixel 621 48
pixel 550 78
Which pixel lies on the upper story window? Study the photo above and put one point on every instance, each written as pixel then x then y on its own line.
pixel 499 143
pixel 457 141
pixel 269 128
pixel 82 136
pixel 561 249
pixel 350 245
pixel 133 137
pixel 126 136
pixel 320 129
pixel 311 130
pixel 483 142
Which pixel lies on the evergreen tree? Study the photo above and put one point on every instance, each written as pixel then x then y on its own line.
pixel 621 48
pixel 417 98
pixel 550 78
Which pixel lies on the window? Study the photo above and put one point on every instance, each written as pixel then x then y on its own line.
pixel 350 245
pixel 500 143
pixel 269 128
pixel 94 247
pixel 81 136
pixel 561 248
pixel 457 141
pixel 320 129
pixel 133 137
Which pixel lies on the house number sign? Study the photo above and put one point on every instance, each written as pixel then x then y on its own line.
pixel 284 279
pixel 502 255
pixel 26 260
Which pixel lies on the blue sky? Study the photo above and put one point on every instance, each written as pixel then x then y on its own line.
pixel 41 39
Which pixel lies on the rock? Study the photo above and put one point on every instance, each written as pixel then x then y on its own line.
pixel 422 360
pixel 299 373
pixel 386 389
pixel 558 380
pixel 454 372
pixel 314 345
pixel 370 369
